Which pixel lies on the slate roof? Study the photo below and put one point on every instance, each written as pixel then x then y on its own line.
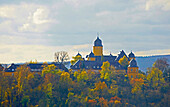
pixel 109 57
pixel 122 53
pixel 78 54
pixel 91 54
pixel 13 67
pixel 133 63
pixel 98 42
pixel 95 65
pixel 131 55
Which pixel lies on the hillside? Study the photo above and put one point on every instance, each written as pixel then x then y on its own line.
pixel 147 61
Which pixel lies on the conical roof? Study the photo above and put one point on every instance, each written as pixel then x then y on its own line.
pixel 133 63
pixel 131 55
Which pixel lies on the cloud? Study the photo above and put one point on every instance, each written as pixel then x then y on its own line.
pixel 25 53
pixel 28 17
pixel 153 52
pixel 162 4
pixel 74 24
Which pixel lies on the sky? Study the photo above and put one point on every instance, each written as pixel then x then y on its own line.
pixel 36 29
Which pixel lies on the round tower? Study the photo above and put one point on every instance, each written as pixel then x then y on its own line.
pixel 98 47
pixel 133 69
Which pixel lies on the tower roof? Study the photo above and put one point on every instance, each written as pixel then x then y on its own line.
pixel 131 55
pixel 91 54
pixel 133 63
pixel 98 42
pixel 78 54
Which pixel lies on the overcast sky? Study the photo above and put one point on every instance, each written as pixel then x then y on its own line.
pixel 35 29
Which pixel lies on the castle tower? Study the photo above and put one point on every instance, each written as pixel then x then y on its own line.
pixel 98 47
pixel 133 69
pixel 91 57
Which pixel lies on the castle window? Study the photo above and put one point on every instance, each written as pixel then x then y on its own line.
pixel 94 67
pixel 136 76
pixel 12 74
pixel 97 66
pixel 86 66
pixel 131 76
pixel 131 69
pixel 12 69
pixel 136 70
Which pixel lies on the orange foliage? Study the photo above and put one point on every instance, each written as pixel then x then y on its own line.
pixel 92 101
pixel 100 85
pixel 103 102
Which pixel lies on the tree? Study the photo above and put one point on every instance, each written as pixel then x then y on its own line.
pixel 75 59
pixel 124 61
pixel 161 64
pixel 155 77
pixel 61 56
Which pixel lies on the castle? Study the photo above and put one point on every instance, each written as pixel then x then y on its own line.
pixel 95 60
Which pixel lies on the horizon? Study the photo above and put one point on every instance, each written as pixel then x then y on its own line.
pixel 35 30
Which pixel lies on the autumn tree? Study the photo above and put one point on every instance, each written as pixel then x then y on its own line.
pixel 155 77
pixel 105 72
pixel 124 62
pixel 75 59
pixel 61 57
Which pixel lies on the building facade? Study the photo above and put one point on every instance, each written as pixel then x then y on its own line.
pixel 34 68
pixel 95 60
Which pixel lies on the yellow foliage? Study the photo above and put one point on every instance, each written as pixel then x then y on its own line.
pixel 124 61
pixel 75 59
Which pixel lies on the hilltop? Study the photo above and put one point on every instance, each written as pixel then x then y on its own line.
pixel 147 61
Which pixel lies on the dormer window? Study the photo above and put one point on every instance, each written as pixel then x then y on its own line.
pixel 97 66
pixel 75 66
pixel 94 67
pixel 87 67
pixel 12 69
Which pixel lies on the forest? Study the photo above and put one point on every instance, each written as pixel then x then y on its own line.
pixel 107 88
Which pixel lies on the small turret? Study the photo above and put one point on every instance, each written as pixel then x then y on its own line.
pixel 131 55
pixel 91 57
pixel 78 54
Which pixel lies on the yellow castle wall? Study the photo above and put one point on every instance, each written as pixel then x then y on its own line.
pixel 98 50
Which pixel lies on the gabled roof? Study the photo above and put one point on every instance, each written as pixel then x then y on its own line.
pixel 122 53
